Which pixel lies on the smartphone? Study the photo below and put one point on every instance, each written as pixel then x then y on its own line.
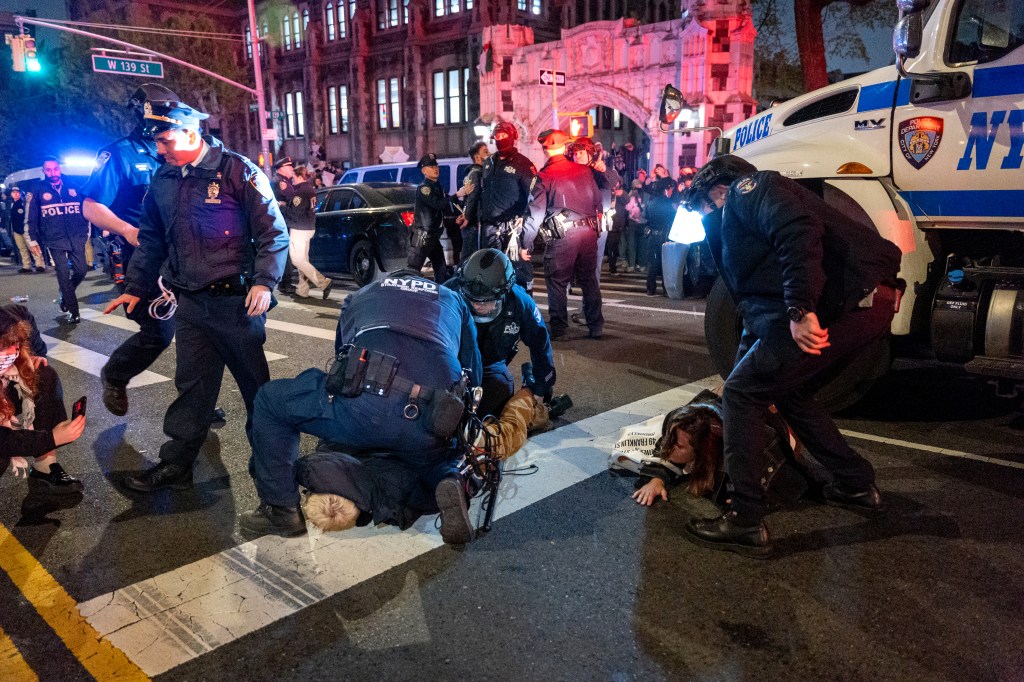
pixel 79 408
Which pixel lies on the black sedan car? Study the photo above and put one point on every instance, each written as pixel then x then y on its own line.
pixel 363 229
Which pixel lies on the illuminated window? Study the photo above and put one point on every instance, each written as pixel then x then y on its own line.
pixel 295 30
pixel 382 103
pixel 521 5
pixel 289 114
pixel 451 104
pixel 443 7
pixel 343 106
pixel 535 7
pixel 300 119
pixel 332 110
pixel 387 14
pixel 342 21
pixel 395 104
pixel 286 33
pixel 330 22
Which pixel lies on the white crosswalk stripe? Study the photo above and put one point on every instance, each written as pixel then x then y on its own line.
pixel 90 361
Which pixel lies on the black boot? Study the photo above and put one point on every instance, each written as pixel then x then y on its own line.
pixel 163 475
pixel 456 528
pixel 867 500
pixel 725 533
pixel 271 519
pixel 57 482
pixel 115 398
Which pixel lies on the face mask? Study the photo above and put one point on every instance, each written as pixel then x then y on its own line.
pixel 505 143
pixel 6 361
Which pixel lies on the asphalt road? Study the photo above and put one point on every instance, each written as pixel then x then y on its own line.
pixel 574 582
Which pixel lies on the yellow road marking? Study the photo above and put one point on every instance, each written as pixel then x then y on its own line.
pixel 102 659
pixel 12 666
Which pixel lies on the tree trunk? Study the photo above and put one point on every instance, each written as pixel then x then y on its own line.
pixel 810 41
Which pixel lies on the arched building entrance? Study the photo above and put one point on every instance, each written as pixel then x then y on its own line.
pixel 621 67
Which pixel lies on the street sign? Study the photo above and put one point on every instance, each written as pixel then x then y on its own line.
pixel 269 134
pixel 130 67
pixel 547 75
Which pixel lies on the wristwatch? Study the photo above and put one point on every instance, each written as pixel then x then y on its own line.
pixel 796 314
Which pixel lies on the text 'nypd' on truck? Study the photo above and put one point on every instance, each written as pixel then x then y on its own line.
pixel 929 151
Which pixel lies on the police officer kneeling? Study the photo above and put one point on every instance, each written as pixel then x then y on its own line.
pixel 403 345
pixel 814 288
pixel 504 313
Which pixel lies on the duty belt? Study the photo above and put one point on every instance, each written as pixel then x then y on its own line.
pixel 236 285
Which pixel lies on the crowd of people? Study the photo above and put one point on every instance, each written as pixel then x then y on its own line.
pixel 207 239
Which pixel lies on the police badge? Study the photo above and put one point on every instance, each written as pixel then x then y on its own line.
pixel 47 196
pixel 296 201
pixel 72 192
pixel 212 192
pixel 147 109
pixel 919 139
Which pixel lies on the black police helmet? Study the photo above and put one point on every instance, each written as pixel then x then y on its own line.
pixel 149 92
pixel 487 276
pixel 721 170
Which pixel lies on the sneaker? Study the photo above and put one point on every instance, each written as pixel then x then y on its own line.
pixel 724 533
pixel 456 528
pixel 271 519
pixel 327 288
pixel 163 475
pixel 115 398
pixel 57 482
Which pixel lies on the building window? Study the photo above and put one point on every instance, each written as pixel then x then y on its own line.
pixel 342 21
pixel 305 20
pixel 286 33
pixel 330 22
pixel 616 119
pixel 332 110
pixel 388 103
pixel 295 30
pixel 451 103
pixel 387 14
pixel 343 106
pixel 300 118
pixel 521 5
pixel 289 114
pixel 535 7
pixel 443 7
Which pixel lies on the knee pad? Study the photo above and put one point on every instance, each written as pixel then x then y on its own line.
pixel 330 513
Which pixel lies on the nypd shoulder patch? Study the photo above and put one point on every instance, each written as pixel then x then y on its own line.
pixel 746 185
pixel 102 158
pixel 425 191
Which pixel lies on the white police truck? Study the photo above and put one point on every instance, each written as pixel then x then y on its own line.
pixel 930 152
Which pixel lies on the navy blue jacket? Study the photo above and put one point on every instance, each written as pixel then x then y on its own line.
pixel 55 215
pixel 218 221
pixel 432 205
pixel 777 244
pixel 123 172
pixel 564 185
pixel 429 328
pixel 519 319
pixel 508 179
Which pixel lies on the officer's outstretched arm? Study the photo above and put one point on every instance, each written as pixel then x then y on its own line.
pixel 267 227
pixel 105 219
pixel 535 335
pixel 469 351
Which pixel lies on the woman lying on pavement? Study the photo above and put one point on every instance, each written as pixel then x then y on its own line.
pixel 689 452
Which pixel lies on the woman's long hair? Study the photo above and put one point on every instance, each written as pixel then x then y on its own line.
pixel 14 331
pixel 703 423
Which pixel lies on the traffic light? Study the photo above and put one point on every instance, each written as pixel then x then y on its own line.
pixel 31 61
pixel 581 125
pixel 17 44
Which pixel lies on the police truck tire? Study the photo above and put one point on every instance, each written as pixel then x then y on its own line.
pixel 362 263
pixel 723 328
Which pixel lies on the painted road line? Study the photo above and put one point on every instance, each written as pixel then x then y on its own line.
pixel 97 655
pixel 618 303
pixel 124 323
pixel 12 665
pixel 949 452
pixel 165 621
pixel 302 329
pixel 90 361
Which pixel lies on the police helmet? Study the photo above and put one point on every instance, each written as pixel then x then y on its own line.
pixel 505 135
pixel 487 276
pixel 582 144
pixel 721 170
pixel 148 92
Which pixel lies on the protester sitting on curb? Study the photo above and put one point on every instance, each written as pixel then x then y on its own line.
pixel 33 420
pixel 689 452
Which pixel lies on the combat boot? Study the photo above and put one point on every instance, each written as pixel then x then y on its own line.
pixel 272 519
pixel 726 533
pixel 456 528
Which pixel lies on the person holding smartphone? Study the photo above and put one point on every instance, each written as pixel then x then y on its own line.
pixel 33 420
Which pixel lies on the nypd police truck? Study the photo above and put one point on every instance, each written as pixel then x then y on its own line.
pixel 930 152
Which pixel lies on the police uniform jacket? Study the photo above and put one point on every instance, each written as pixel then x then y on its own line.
pixel 55 216
pixel 219 221
pixel 283 191
pixel 432 204
pixel 300 210
pixel 471 208
pixel 777 244
pixel 123 172
pixel 564 185
pixel 508 179
pixel 18 216
pixel 429 328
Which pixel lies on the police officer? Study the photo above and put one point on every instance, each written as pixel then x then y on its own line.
pixel 300 214
pixel 504 313
pixel 55 223
pixel 508 179
pixel 814 288
pixel 113 202
pixel 432 205
pixel 404 341
pixel 284 193
pixel 583 151
pixel 17 221
pixel 210 228
pixel 567 202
